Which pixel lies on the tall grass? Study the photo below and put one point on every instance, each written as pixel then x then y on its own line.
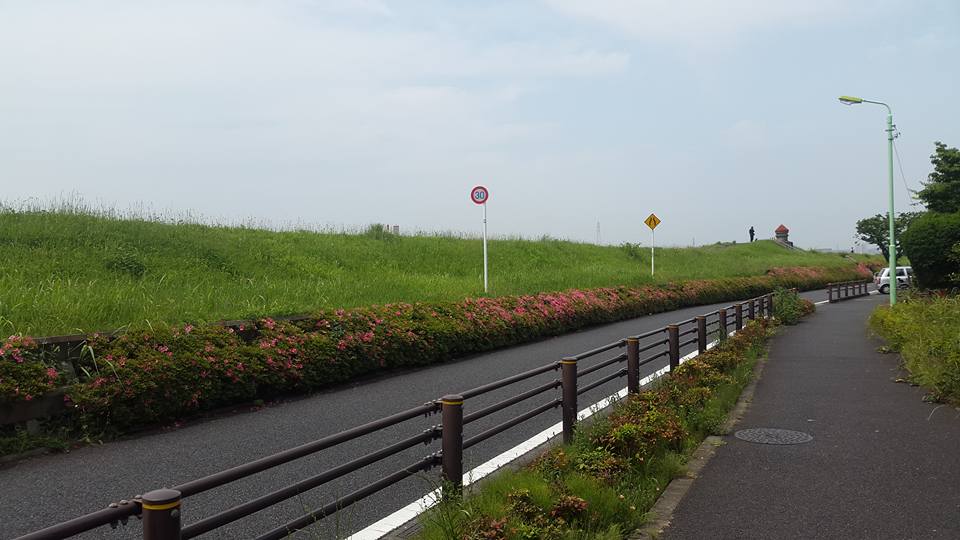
pixel 926 333
pixel 69 269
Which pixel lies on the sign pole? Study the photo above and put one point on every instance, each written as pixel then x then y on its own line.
pixel 485 288
pixel 652 221
pixel 653 243
pixel 480 195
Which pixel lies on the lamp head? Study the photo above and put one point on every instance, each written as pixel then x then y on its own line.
pixel 850 100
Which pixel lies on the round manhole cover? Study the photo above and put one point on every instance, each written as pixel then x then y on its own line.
pixel 773 436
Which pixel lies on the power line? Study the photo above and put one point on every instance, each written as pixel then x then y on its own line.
pixel 903 177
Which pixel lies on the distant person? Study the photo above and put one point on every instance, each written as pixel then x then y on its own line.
pixel 751 233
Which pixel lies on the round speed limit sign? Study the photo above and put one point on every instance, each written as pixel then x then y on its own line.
pixel 479 195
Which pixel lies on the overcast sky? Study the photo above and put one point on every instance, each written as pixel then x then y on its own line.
pixel 715 115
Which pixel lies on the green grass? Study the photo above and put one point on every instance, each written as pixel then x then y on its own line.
pixel 73 271
pixel 925 330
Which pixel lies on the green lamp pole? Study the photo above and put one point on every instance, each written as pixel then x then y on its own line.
pixel 850 100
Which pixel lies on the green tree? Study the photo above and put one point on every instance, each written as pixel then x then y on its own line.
pixel 929 242
pixel 941 192
pixel 876 230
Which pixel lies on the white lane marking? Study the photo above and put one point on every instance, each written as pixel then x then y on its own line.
pixel 412 510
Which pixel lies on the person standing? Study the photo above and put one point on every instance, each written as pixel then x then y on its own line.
pixel 751 233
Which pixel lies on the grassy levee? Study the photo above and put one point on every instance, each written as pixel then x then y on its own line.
pixel 73 272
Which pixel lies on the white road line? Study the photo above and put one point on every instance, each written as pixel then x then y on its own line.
pixel 412 510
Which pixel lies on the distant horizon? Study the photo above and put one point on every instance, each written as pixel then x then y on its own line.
pixel 75 203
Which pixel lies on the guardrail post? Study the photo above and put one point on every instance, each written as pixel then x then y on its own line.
pixel 769 305
pixel 451 443
pixel 673 342
pixel 701 333
pixel 568 378
pixel 161 514
pixel 750 312
pixel 738 315
pixel 830 293
pixel 723 322
pixel 633 365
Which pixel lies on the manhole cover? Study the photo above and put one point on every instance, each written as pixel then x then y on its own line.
pixel 773 436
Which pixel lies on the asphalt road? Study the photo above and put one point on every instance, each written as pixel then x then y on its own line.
pixel 882 462
pixel 42 491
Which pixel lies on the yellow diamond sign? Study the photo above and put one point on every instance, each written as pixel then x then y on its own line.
pixel 652 221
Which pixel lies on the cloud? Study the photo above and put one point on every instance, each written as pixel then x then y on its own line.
pixel 697 22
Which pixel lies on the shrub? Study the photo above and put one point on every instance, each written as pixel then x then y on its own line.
pixel 924 331
pixel 788 307
pixel 24 375
pixel 928 243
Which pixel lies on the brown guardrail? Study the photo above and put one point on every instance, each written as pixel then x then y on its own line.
pixel 846 290
pixel 159 510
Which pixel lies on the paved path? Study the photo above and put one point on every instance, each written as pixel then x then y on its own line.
pixel 882 463
pixel 39 492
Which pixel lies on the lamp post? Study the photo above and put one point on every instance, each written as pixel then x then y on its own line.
pixel 850 100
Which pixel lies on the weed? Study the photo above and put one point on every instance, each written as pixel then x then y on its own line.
pixel 924 330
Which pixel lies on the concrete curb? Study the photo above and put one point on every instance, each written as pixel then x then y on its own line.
pixel 662 512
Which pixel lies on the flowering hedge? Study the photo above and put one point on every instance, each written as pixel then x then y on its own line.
pixel 145 377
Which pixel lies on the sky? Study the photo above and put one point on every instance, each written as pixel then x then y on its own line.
pixel 716 116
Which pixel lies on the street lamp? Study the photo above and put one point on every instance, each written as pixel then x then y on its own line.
pixel 850 100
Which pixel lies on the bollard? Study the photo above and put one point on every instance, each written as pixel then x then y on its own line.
pixel 723 323
pixel 738 315
pixel 451 443
pixel 633 365
pixel 701 334
pixel 673 340
pixel 830 293
pixel 161 514
pixel 750 312
pixel 568 378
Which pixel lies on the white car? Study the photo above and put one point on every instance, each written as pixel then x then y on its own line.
pixel 904 279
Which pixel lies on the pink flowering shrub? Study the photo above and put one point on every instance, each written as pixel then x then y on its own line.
pixel 23 374
pixel 154 376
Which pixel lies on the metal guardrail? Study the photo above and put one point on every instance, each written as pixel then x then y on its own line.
pixel 159 510
pixel 846 290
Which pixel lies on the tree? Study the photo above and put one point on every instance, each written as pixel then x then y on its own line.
pixel 941 192
pixel 930 243
pixel 876 230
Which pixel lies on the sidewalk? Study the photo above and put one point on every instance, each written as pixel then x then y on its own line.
pixel 882 463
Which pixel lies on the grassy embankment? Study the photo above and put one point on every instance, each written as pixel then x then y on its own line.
pixel 925 331
pixel 72 272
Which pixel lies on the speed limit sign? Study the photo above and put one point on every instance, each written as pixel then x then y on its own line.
pixel 479 195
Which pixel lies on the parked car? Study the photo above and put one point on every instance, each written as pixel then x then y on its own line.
pixel 904 279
